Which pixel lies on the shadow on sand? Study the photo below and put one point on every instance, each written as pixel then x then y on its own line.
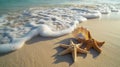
pixel 94 53
pixel 68 57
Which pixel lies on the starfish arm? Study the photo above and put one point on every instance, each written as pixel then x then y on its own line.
pixel 79 45
pixel 81 50
pixel 95 46
pixel 100 43
pixel 89 35
pixel 71 42
pixel 64 46
pixel 74 53
pixel 68 50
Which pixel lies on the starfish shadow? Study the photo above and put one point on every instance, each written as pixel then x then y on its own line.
pixel 94 53
pixel 82 55
pixel 65 58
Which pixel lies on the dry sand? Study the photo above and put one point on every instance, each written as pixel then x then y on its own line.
pixel 42 52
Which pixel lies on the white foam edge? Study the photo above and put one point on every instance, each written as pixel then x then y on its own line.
pixel 43 30
pixel 17 44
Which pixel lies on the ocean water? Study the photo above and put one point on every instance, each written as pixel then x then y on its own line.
pixel 17 5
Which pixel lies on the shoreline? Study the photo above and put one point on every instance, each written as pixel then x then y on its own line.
pixel 42 51
pixel 47 22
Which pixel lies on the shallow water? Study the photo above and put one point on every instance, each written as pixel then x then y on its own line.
pixel 7 6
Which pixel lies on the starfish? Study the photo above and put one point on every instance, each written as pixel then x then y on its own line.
pixel 72 48
pixel 84 36
pixel 92 43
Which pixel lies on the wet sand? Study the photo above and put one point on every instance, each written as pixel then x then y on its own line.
pixel 42 52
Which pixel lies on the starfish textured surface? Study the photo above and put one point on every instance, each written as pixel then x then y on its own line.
pixel 92 43
pixel 72 48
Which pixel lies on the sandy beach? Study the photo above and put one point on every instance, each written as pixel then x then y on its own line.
pixel 42 52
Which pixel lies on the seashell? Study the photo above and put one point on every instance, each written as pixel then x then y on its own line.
pixel 81 34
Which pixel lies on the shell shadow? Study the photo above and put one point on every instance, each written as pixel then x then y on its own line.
pixel 65 58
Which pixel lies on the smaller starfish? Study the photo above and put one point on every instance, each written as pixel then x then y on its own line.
pixel 92 43
pixel 72 48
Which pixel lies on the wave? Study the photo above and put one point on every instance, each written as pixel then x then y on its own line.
pixel 47 22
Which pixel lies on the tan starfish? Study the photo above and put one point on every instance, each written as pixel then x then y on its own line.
pixel 84 36
pixel 72 48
